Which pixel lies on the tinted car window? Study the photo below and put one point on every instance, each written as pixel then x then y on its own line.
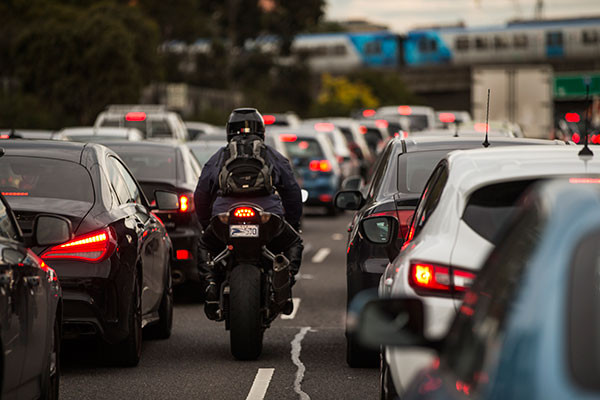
pixel 150 164
pixel 35 177
pixel 418 122
pixel 488 208
pixel 129 181
pixel 304 149
pixel 584 314
pixel 204 150
pixel 7 229
pixel 381 169
pixel 117 181
pixel 159 128
pixel 474 343
pixel 429 199
pixel 415 168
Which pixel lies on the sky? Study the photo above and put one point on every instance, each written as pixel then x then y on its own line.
pixel 401 15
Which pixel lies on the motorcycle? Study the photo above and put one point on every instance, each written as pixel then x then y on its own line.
pixel 256 286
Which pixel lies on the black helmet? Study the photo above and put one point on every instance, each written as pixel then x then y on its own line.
pixel 245 121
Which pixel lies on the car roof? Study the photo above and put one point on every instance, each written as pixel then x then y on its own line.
pixel 426 142
pixel 104 130
pixel 471 169
pixel 148 144
pixel 57 149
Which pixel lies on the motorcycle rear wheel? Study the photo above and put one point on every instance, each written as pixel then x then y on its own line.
pixel 245 321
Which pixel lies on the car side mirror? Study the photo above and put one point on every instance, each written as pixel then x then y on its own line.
pixel 166 201
pixel 383 231
pixel 352 183
pixel 49 230
pixel 349 200
pixel 392 322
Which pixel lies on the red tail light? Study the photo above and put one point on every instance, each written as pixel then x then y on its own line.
pixel 363 129
pixel 447 117
pixel 572 117
pixel 368 113
pixel 382 123
pixel 243 212
pixel 15 193
pixel 135 116
pixel 269 119
pixel 404 217
pixel 184 203
pixel 4 136
pixel 182 254
pixel 288 138
pixel 320 165
pixel 404 110
pixel 324 127
pixel 481 127
pixel 437 279
pixel 576 138
pixel 95 246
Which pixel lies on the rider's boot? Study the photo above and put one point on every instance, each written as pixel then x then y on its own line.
pixel 294 255
pixel 208 277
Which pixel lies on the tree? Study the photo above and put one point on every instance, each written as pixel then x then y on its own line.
pixel 339 97
pixel 387 86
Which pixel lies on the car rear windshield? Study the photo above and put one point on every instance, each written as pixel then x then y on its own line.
pixel 149 164
pixel 36 177
pixel 151 127
pixel 418 122
pixel 94 138
pixel 488 208
pixel 205 150
pixel 304 149
pixel 415 168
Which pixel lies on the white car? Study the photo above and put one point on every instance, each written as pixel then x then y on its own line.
pixel 91 134
pixel 418 118
pixel 463 206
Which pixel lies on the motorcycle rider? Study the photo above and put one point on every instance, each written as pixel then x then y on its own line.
pixel 286 202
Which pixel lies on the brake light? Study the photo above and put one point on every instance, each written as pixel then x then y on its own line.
pixel 447 117
pixel 584 180
pixel 94 247
pixel 576 138
pixel 363 129
pixel 182 254
pixel 481 127
pixel 572 117
pixel 4 136
pixel 437 279
pixel 324 127
pixel 243 212
pixel 303 145
pixel 320 165
pixel 269 119
pixel 403 216
pixel 184 203
pixel 15 193
pixel 404 110
pixel 382 124
pixel 288 138
pixel 325 198
pixel 368 113
pixel 135 116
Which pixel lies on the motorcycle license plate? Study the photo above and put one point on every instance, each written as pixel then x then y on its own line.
pixel 237 231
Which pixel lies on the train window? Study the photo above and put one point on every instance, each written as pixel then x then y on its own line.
pixel 373 48
pixel 520 41
pixel 501 42
pixel 589 37
pixel 427 45
pixel 462 43
pixel 338 50
pixel 554 39
pixel 481 43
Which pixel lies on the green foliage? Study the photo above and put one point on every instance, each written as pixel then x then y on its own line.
pixel 387 86
pixel 339 97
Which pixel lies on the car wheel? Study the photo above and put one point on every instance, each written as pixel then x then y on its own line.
pixel 128 352
pixel 162 329
pixel 359 357
pixel 51 375
pixel 386 385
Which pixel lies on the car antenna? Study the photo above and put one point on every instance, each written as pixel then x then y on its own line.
pixel 486 143
pixel 586 150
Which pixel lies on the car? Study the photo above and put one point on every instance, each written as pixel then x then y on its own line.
pixel 349 163
pixel 448 118
pixel 376 133
pixel 464 204
pixel 354 135
pixel 288 119
pixel 170 166
pixel 197 129
pixel 30 308
pixel 419 118
pixel 115 273
pixel 314 163
pixel 395 188
pixel 205 147
pixel 26 134
pixel 91 134
pixel 153 120
pixel 528 326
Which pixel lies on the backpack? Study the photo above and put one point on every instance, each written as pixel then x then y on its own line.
pixel 244 170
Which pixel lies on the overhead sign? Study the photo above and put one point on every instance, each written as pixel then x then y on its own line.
pixel 574 86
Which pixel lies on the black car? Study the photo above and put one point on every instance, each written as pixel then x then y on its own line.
pixel 115 272
pixel 30 309
pixel 169 166
pixel 395 188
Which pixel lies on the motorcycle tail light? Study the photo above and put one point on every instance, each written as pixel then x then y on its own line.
pixel 244 212
pixel 92 247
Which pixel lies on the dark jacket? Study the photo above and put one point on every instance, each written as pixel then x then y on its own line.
pixel 288 193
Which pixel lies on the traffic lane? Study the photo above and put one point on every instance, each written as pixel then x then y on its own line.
pixel 196 360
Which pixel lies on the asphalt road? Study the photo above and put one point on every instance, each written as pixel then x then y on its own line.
pixel 304 357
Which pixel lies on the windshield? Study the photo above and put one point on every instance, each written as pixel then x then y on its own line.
pixel 418 122
pixel 205 150
pixel 304 149
pixel 415 168
pixel 489 207
pixel 150 164
pixel 35 177
pixel 151 127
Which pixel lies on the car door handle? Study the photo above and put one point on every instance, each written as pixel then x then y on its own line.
pixel 32 281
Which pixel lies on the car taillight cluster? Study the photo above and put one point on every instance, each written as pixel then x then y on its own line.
pixel 320 165
pixel 93 247
pixel 438 279
pixel 186 202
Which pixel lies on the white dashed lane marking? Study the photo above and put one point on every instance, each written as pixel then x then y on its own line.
pixel 261 384
pixel 296 301
pixel 321 255
pixel 337 236
pixel 296 349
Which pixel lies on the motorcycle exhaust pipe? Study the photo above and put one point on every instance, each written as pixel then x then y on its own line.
pixel 281 279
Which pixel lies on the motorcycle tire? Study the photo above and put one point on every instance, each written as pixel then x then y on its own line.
pixel 245 322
